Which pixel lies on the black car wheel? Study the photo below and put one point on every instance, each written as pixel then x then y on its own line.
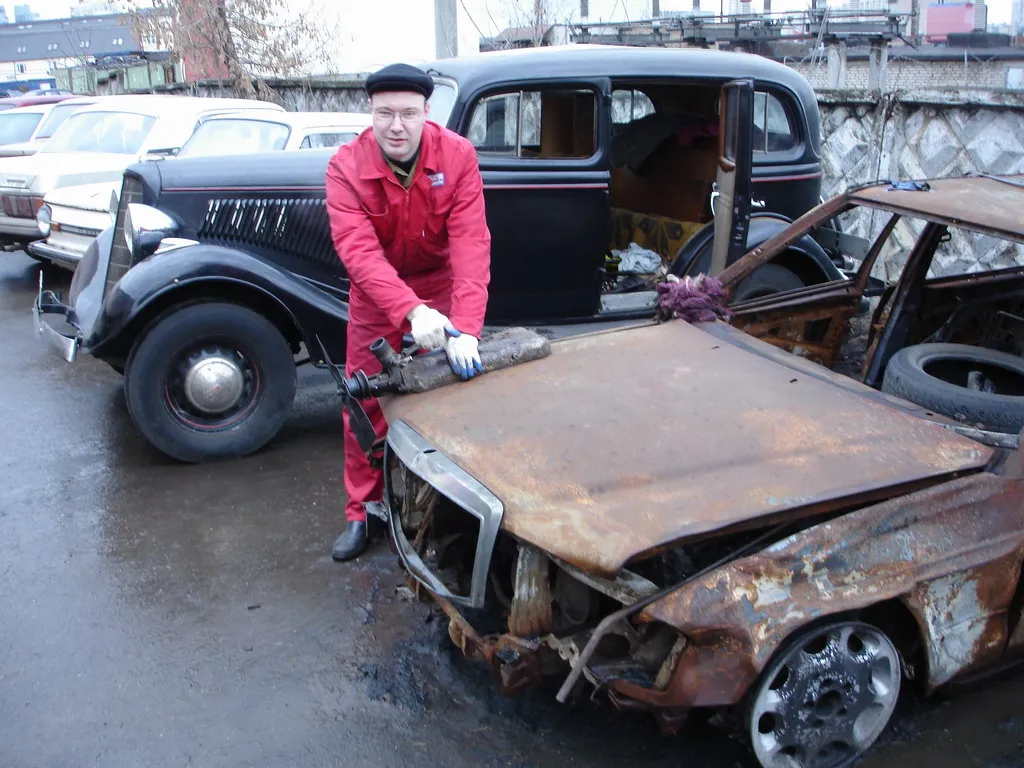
pixel 765 281
pixel 971 384
pixel 210 381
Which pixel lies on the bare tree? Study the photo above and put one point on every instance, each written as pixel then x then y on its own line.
pixel 525 22
pixel 245 40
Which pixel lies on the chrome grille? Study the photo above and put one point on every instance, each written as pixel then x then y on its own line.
pixel 120 256
pixel 296 227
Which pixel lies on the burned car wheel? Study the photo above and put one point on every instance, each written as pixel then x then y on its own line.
pixel 971 384
pixel 210 381
pixel 825 698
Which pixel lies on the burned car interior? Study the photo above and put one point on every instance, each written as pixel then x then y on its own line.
pixel 922 286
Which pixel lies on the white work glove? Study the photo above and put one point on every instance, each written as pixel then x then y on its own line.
pixel 428 327
pixel 463 355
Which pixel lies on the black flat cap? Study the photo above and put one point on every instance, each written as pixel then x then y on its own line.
pixel 400 77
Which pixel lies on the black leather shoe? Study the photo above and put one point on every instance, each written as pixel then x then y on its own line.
pixel 352 542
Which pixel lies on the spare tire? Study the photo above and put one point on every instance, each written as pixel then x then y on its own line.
pixel 974 385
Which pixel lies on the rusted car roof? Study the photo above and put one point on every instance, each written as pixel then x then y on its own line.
pixel 981 202
pixel 622 442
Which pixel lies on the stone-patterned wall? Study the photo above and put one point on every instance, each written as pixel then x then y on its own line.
pixel 918 136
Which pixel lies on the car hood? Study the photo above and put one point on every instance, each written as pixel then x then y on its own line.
pixel 45 171
pixel 621 443
pixel 89 197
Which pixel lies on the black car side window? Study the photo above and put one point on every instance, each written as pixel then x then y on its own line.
pixel 630 105
pixel 773 128
pixel 536 124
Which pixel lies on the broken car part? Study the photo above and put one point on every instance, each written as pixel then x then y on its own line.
pixel 411 374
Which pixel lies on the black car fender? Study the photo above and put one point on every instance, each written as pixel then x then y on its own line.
pixel 804 257
pixel 182 275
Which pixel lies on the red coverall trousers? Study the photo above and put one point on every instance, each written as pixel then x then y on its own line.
pixel 366 325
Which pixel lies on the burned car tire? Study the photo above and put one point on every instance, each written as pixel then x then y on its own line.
pixel 210 381
pixel 826 697
pixel 978 386
pixel 765 281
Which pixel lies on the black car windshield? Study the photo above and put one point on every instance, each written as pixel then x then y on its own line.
pixel 16 127
pixel 120 133
pixel 57 116
pixel 236 136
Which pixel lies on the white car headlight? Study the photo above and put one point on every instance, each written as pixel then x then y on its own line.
pixel 144 227
pixel 43 218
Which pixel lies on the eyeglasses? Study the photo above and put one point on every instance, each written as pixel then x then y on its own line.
pixel 387 116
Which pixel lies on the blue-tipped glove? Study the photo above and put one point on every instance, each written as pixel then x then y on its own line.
pixel 463 355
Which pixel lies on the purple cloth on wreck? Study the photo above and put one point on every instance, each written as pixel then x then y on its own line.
pixel 695 300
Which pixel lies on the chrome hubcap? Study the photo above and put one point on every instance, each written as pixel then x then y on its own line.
pixel 826 699
pixel 214 384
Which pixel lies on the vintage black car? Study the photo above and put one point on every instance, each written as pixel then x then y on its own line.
pixel 220 274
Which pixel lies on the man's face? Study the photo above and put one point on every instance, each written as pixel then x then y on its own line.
pixel 398 122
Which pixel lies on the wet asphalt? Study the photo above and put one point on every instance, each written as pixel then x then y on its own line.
pixel 160 614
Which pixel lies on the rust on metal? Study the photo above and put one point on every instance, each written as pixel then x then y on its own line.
pixel 745 439
pixel 986 204
pixel 949 553
pixel 963 616
pixel 791 332
pixel 627 589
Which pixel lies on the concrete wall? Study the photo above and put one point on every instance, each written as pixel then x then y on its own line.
pixel 914 74
pixel 296 95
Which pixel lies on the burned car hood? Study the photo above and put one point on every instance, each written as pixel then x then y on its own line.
pixel 621 443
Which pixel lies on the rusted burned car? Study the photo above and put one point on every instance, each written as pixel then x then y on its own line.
pixel 692 518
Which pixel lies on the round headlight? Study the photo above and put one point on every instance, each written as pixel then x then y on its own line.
pixel 43 219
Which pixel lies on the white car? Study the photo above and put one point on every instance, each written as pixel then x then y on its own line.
pixel 73 216
pixel 20 126
pixel 272 131
pixel 96 144
pixel 16 140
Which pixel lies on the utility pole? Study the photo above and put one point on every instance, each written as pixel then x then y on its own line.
pixel 446 29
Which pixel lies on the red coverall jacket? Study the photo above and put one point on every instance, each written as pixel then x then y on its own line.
pixel 428 244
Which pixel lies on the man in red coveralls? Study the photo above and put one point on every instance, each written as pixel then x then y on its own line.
pixel 406 206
